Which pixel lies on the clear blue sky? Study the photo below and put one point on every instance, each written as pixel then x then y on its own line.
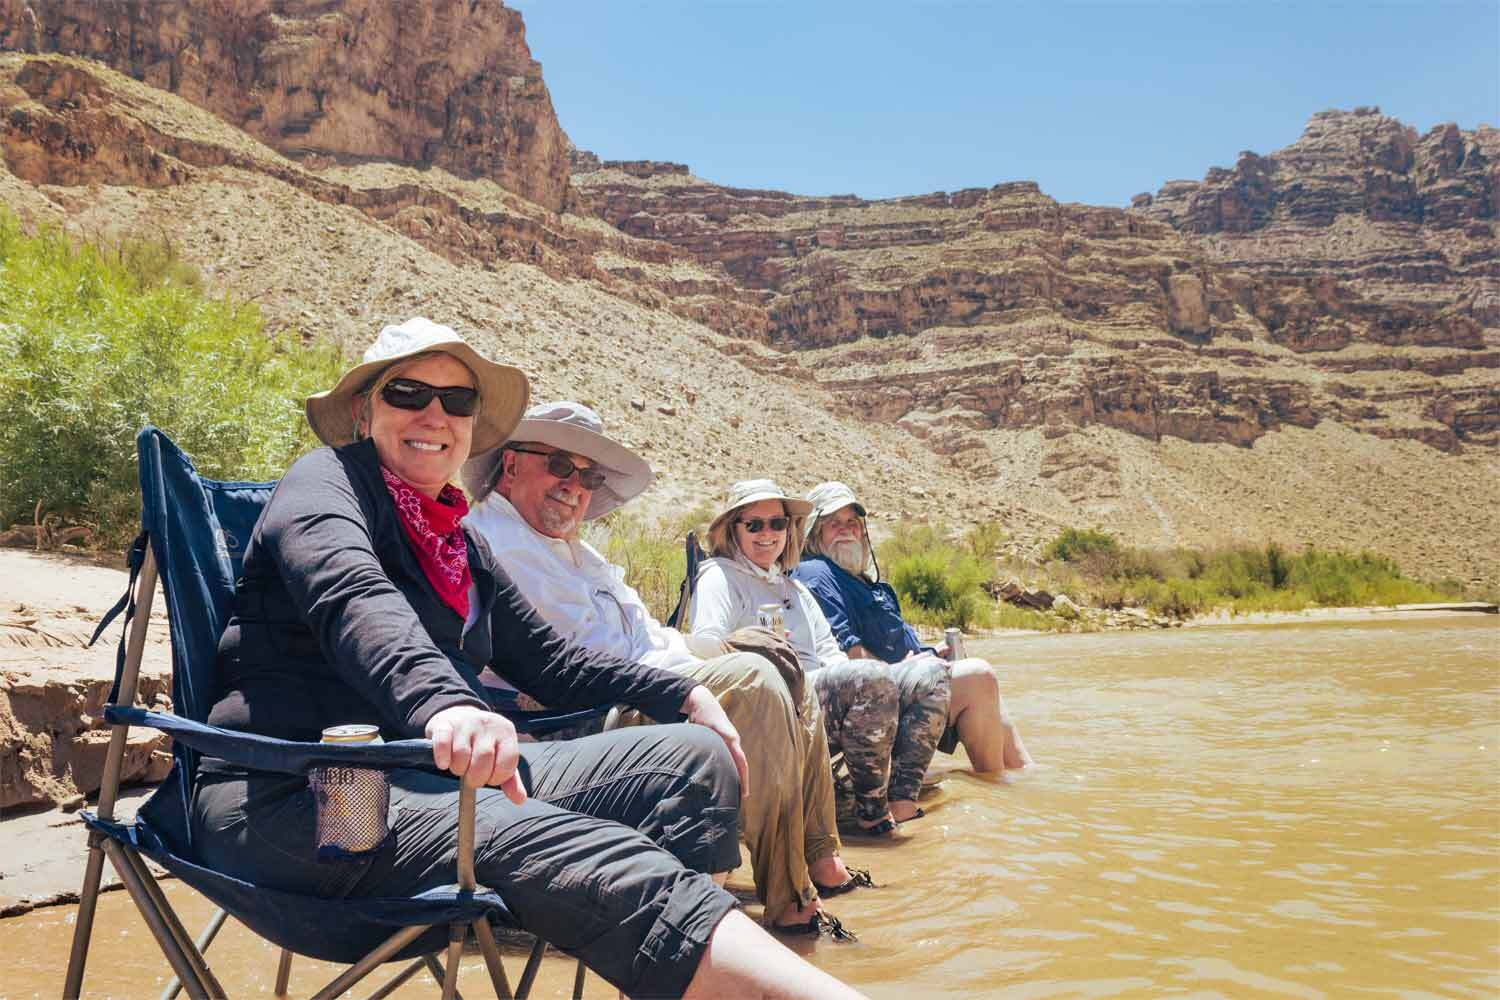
pixel 1093 101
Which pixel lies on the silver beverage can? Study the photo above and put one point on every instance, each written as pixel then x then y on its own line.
pixel 769 616
pixel 955 639
pixel 353 802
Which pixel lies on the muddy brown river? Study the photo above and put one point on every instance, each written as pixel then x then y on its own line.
pixel 1292 811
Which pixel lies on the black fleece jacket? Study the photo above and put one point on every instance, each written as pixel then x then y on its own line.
pixel 335 622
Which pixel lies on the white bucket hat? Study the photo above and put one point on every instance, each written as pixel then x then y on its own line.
pixel 575 428
pixel 749 491
pixel 827 498
pixel 503 389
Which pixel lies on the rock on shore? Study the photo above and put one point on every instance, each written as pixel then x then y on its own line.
pixel 53 689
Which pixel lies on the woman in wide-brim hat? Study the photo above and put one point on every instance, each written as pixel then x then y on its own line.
pixel 363 599
pixel 755 542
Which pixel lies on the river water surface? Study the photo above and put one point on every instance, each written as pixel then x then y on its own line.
pixel 1298 811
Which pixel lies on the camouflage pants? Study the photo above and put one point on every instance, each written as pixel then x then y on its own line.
pixel 887 718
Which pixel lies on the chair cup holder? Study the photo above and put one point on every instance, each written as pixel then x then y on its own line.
pixel 353 805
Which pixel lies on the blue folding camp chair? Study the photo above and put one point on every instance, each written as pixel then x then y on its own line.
pixel 681 616
pixel 193 533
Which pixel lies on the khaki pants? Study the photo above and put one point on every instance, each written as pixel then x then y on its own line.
pixel 788 821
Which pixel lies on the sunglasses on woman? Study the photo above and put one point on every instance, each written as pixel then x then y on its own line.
pixel 562 467
pixel 409 394
pixel 755 525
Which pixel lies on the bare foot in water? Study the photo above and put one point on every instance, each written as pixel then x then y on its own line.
pixel 903 810
pixel 829 871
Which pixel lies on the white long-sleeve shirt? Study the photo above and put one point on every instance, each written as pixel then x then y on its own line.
pixel 730 590
pixel 577 591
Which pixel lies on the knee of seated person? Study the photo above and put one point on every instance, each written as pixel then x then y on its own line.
pixel 759 676
pixel 711 766
pixel 977 672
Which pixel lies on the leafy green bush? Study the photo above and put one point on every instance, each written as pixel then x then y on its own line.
pixel 939 583
pixel 99 341
pixel 1073 544
pixel 1181 582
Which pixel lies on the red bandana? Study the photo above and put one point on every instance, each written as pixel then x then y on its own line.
pixel 433 529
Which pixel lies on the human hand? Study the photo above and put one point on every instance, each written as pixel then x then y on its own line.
pixel 703 709
pixel 478 746
pixel 763 642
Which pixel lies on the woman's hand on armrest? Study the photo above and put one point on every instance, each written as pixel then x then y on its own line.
pixel 480 747
pixel 703 709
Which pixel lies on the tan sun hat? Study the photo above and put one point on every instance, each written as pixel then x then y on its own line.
pixel 748 491
pixel 571 427
pixel 503 389
pixel 827 498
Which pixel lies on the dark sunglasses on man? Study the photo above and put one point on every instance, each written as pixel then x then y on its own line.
pixel 410 394
pixel 562 467
pixel 755 525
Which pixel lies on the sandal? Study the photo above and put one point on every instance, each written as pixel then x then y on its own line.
pixel 859 878
pixel 815 926
pixel 916 815
pixel 884 828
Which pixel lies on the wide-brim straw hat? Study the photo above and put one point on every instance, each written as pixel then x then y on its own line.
pixel 749 491
pixel 503 389
pixel 570 427
pixel 827 498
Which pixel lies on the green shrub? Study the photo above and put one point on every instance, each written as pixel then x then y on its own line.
pixel 1180 582
pixel 1075 543
pixel 99 341
pixel 939 583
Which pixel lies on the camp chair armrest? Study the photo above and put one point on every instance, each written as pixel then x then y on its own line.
pixel 265 753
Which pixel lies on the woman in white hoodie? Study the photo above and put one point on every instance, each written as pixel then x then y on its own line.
pixel 887 719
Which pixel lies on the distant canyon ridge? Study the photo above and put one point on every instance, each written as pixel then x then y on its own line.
pixel 1301 347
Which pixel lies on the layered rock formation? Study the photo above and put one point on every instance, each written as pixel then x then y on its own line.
pixel 999 308
pixel 443 82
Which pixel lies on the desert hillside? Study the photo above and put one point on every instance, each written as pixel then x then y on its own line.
pixel 1303 348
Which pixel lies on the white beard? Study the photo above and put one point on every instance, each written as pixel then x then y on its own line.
pixel 850 554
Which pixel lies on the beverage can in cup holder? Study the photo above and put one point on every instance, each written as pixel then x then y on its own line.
pixel 353 802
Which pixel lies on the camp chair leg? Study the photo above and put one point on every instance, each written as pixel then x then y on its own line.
pixel 533 966
pixel 87 897
pixel 485 935
pixel 158 925
pixel 109 784
pixel 283 972
pixel 179 933
pixel 397 981
pixel 364 966
pixel 450 969
pixel 205 939
pixel 578 980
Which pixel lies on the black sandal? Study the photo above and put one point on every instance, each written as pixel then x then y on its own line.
pixel 859 878
pixel 815 926
pixel 884 828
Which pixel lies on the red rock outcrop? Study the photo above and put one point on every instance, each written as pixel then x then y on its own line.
pixel 443 82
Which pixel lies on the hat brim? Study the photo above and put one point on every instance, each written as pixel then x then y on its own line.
pixel 794 507
pixel 823 510
pixel 627 475
pixel 504 392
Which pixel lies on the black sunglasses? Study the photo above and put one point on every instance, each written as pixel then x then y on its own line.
pixel 562 467
pixel 755 525
pixel 409 394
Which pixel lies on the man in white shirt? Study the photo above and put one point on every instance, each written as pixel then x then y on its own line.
pixel 531 497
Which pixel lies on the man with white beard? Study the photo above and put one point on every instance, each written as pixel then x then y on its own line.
pixel 838 566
